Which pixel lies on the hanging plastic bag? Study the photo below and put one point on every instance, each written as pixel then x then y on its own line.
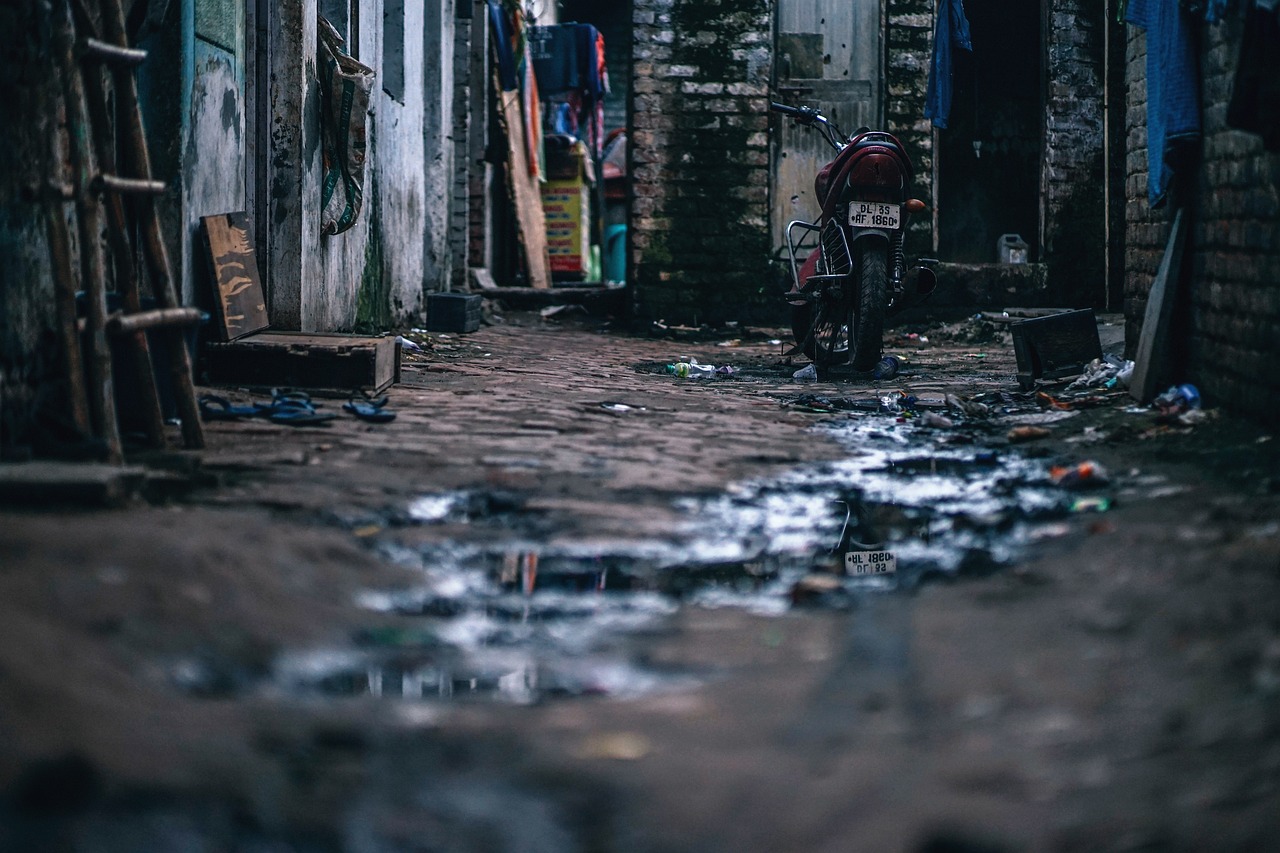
pixel 345 84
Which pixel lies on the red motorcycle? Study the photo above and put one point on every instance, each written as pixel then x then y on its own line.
pixel 853 273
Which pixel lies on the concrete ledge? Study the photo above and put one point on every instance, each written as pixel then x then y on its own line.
pixel 30 484
pixel 991 285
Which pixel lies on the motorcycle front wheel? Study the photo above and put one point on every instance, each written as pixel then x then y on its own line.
pixel 866 328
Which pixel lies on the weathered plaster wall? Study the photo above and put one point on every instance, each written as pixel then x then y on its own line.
pixel 213 164
pixel 437 125
pixel 1074 239
pixel 391 283
pixel 1231 321
pixel 372 276
pixel 700 158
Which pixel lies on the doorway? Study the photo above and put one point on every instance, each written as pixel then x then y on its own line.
pixel 605 138
pixel 989 156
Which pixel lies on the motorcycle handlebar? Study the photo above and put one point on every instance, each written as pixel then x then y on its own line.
pixel 784 109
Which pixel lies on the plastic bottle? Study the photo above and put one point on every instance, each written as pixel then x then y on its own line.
pixel 886 368
pixel 680 369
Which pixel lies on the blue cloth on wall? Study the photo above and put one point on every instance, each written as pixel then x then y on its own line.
pixel 507 65
pixel 951 31
pixel 1173 89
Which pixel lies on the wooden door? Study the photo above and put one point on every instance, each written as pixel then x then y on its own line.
pixel 829 55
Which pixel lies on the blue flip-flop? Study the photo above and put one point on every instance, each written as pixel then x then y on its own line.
pixel 215 408
pixel 370 410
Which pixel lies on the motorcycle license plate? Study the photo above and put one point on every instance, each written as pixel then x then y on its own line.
pixel 874 214
pixel 870 563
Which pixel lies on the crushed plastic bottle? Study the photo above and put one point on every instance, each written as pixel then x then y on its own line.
pixel 886 368
pixel 808 373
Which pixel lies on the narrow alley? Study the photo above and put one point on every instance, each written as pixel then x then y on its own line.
pixel 640 426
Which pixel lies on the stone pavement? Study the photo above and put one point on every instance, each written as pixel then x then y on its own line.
pixel 1114 688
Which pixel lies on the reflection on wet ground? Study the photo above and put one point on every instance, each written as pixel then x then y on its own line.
pixel 514 621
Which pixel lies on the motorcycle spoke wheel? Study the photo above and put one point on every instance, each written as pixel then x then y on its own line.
pixel 867 323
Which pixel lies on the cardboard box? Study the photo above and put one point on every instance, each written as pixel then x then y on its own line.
pixel 339 364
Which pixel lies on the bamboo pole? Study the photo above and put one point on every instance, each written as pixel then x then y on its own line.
pixel 121 248
pixel 101 395
pixel 157 255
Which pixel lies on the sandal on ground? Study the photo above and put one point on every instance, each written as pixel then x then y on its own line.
pixel 215 408
pixel 370 410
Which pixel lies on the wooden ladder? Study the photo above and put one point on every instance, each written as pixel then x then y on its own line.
pixel 95 186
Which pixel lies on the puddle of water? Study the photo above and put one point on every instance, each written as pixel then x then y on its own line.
pixel 513 620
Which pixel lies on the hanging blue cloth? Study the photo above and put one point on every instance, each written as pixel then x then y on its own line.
pixel 951 31
pixel 1173 89
pixel 507 65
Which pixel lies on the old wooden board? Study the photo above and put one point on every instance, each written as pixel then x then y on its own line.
pixel 1151 364
pixel 238 299
pixel 526 194
pixel 340 364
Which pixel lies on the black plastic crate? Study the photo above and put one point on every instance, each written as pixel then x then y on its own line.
pixel 453 312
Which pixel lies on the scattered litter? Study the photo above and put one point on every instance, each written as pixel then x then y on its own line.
pixel 968 408
pixel 933 419
pixel 808 373
pixel 408 345
pixel 556 310
pixel 1028 433
pixel 886 368
pixel 1090 504
pixel 617 746
pixel 1040 418
pixel 1085 475
pixel 736 342
pixel 726 370
pixel 690 369
pixel 1107 372
pixel 620 408
pixel 1178 399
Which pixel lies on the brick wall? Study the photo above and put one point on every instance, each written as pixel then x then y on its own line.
pixel 1073 183
pixel 700 160
pixel 460 191
pixel 908 48
pixel 1232 290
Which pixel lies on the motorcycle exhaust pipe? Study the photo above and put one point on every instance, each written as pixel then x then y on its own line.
pixel 917 286
pixel 920 281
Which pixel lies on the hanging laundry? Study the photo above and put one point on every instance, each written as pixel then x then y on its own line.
pixel 570 66
pixel 503 47
pixel 1173 92
pixel 1255 95
pixel 515 73
pixel 951 31
pixel 555 58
